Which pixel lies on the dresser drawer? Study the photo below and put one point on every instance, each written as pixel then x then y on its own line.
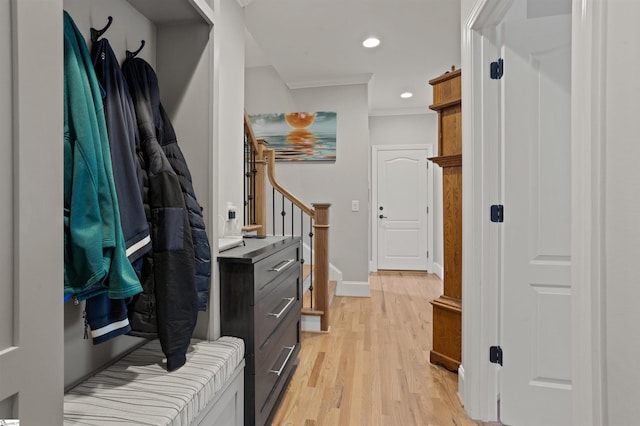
pixel 270 268
pixel 274 307
pixel 274 362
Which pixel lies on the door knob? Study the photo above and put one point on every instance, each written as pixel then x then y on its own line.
pixel 382 217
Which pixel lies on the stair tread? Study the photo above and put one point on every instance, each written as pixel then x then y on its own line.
pixel 306 297
pixel 306 271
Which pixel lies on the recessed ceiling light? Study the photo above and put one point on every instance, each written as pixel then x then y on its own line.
pixel 406 95
pixel 371 42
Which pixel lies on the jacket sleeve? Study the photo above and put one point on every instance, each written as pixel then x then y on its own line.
pixel 173 266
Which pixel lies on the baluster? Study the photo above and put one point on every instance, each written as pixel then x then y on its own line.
pixel 254 173
pixel 311 260
pixel 302 248
pixel 283 213
pixel 273 210
pixel 247 181
pixel 292 207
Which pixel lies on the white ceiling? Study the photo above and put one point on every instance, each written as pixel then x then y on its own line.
pixel 313 43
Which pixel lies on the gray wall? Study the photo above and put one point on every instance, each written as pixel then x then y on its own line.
pixel 337 182
pixel 228 133
pixel 409 130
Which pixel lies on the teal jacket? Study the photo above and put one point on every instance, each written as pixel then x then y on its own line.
pixel 95 259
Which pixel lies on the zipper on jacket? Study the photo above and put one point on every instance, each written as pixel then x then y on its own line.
pixel 86 325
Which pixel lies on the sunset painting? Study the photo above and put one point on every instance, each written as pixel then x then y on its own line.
pixel 298 136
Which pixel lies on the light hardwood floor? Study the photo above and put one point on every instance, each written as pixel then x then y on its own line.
pixel 373 367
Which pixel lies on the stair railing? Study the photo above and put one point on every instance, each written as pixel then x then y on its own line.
pixel 260 167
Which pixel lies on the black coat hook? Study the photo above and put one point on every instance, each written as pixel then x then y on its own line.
pixel 131 54
pixel 95 34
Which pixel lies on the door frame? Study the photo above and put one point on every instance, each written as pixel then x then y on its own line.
pixel 375 149
pixel 478 378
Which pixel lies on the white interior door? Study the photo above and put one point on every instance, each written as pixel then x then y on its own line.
pixel 401 210
pixel 536 381
pixel 31 212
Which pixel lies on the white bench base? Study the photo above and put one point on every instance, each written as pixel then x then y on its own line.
pixel 227 409
pixel 207 390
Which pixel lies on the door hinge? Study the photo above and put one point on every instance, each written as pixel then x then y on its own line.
pixel 427 254
pixel 497 213
pixel 427 209
pixel 497 69
pixel 495 354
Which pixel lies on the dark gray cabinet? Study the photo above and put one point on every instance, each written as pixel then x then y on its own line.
pixel 260 301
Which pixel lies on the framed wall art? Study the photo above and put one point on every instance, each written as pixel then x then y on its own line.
pixel 298 136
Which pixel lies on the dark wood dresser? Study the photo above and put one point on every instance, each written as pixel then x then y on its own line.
pixel 260 301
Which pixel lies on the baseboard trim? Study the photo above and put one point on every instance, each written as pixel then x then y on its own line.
pixel 460 392
pixel 310 323
pixel 438 269
pixel 353 289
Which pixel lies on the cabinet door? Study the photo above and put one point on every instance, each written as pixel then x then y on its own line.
pixel 31 211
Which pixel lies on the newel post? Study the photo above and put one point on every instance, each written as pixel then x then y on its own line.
pixel 321 261
pixel 260 190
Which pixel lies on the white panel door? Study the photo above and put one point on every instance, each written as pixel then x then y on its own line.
pixel 31 211
pixel 401 212
pixel 536 284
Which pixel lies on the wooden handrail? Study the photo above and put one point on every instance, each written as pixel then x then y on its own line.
pixel 271 162
pixel 249 131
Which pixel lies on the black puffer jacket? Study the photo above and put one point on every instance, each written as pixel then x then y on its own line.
pixel 169 303
pixel 169 143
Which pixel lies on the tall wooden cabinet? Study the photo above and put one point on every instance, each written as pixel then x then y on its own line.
pixel 447 309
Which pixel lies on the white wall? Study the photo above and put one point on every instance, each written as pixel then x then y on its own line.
pixel 622 213
pixel 415 129
pixel 230 128
pixel 337 182
pixel 265 90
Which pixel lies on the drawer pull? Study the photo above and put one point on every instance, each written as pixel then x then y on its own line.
pixel 282 265
pixel 290 299
pixel 278 372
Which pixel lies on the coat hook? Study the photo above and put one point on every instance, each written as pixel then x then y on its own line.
pixel 131 54
pixel 95 34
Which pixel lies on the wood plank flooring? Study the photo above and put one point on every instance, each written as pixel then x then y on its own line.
pixel 373 367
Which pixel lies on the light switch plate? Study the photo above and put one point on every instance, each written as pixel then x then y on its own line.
pixel 355 205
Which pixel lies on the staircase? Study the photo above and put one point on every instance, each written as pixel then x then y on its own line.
pixel 289 216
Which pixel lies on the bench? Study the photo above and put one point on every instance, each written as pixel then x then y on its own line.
pixel 207 390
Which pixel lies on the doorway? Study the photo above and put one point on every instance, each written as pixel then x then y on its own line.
pixel 402 207
pixel 517 271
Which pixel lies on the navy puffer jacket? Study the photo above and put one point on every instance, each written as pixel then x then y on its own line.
pixel 169 302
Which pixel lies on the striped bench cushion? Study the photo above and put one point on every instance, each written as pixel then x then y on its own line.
pixel 138 389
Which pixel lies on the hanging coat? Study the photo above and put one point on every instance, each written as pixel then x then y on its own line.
pixel 95 258
pixel 168 142
pixel 123 141
pixel 169 302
